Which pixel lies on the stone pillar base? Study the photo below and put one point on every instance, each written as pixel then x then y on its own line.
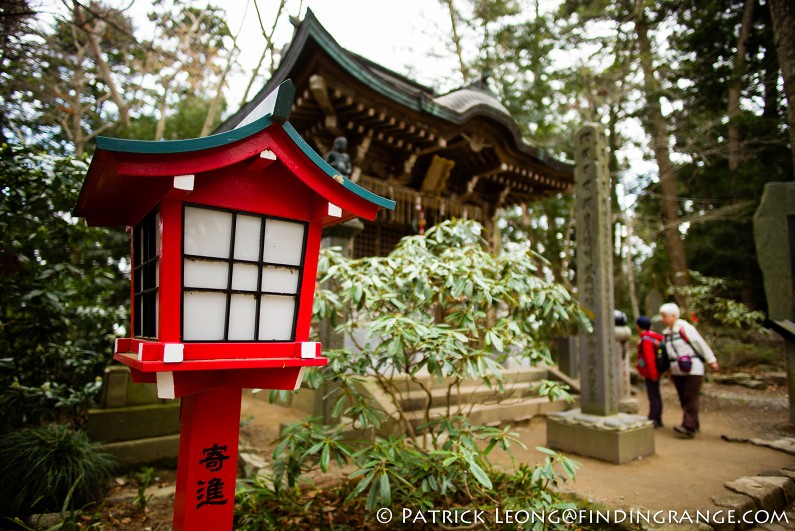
pixel 629 405
pixel 617 438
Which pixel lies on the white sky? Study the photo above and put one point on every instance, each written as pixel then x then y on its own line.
pixel 411 37
pixel 407 36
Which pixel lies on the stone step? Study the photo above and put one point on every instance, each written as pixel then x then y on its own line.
pixel 494 414
pixel 479 393
pixel 509 376
pixel 137 422
pixel 151 451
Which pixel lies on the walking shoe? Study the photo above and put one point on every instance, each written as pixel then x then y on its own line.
pixel 687 432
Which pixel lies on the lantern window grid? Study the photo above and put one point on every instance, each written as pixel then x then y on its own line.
pixel 241 275
pixel 146 276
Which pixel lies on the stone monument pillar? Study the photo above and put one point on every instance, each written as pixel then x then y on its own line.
pixel 337 236
pixel 627 403
pixel 568 358
pixel 597 429
pixel 774 235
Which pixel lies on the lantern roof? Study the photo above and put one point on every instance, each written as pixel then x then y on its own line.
pixel 123 171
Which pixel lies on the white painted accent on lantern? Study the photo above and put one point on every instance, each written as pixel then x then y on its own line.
pixel 244 277
pixel 157 311
pixel 308 350
pixel 207 232
pixel 115 345
pixel 157 233
pixel 276 318
pixel 165 385
pixel 242 317
pixel 334 210
pixel 203 316
pixel 183 182
pixel 173 352
pixel 265 107
pixel 140 351
pixel 279 279
pixel 268 155
pixel 203 274
pixel 300 379
pixel 284 241
pixel 248 237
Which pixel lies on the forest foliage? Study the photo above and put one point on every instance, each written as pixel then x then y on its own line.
pixel 694 97
pixel 691 94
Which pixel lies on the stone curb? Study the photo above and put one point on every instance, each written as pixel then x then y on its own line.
pixel 769 491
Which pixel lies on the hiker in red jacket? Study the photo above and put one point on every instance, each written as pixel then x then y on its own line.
pixel 647 367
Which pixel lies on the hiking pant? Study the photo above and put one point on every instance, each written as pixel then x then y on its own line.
pixel 655 401
pixel 689 388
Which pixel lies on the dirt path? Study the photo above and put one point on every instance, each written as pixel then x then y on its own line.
pixel 684 473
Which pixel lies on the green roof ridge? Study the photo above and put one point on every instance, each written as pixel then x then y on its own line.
pixel 334 174
pixel 123 145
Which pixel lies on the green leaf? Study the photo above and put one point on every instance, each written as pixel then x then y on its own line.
pixel 480 475
pixel 325 456
pixel 385 490
pixel 547 451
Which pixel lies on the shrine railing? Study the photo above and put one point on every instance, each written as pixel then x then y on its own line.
pixel 409 201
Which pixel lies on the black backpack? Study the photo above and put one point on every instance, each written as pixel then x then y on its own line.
pixel 661 358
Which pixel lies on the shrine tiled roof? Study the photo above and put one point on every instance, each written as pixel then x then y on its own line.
pixel 356 93
pixel 467 98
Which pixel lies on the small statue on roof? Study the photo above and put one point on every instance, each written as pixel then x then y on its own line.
pixel 338 157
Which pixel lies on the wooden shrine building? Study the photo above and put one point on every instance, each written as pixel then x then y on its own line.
pixel 459 154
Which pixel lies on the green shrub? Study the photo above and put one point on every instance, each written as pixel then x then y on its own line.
pixel 51 469
pixel 441 305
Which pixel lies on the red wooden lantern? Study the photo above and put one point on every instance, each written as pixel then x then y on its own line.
pixel 225 241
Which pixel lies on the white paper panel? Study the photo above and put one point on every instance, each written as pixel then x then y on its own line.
pixel 284 242
pixel 207 232
pixel 279 279
pixel 157 234
pixel 244 277
pixel 276 318
pixel 205 274
pixel 203 316
pixel 139 249
pixel 139 312
pixel 247 238
pixel 242 316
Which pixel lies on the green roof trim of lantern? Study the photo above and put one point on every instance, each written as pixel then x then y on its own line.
pixel 274 110
pixel 334 174
pixel 122 145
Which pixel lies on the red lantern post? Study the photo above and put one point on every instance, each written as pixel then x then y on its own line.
pixel 225 241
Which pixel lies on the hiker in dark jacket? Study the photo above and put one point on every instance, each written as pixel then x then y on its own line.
pixel 689 355
pixel 647 367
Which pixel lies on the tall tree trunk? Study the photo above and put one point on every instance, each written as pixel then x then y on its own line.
pixel 619 283
pixel 630 270
pixel 215 105
pixel 783 14
pixel 269 47
pixel 102 65
pixel 735 85
pixel 459 52
pixel 76 126
pixel 658 130
pixel 161 121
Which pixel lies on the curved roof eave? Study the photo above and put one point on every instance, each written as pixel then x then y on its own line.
pixel 418 100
